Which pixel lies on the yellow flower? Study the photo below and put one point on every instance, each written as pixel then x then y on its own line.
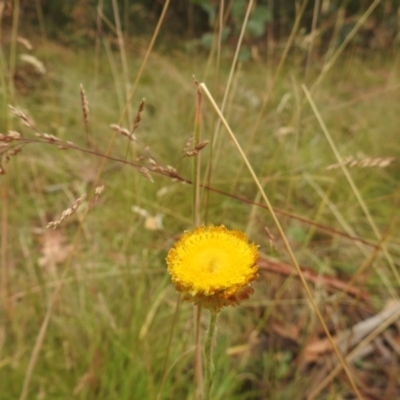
pixel 213 266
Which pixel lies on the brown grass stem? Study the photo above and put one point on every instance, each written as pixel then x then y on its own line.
pixel 330 230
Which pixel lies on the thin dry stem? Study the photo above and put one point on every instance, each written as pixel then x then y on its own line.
pixel 147 55
pixel 346 41
pixel 285 240
pixel 4 234
pixel 312 34
pixel 121 46
pixel 352 185
pixel 233 68
pixel 106 155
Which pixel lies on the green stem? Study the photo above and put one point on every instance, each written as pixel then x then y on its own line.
pixel 208 359
pixel 196 160
pixel 196 222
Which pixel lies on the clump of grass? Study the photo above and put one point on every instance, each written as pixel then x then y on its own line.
pixel 105 322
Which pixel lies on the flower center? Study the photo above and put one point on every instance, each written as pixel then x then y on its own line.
pixel 213 265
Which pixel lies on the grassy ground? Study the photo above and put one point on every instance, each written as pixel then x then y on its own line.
pixel 111 330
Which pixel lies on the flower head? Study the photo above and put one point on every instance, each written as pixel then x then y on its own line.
pixel 213 266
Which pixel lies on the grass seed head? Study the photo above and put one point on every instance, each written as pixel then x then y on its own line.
pixel 85 106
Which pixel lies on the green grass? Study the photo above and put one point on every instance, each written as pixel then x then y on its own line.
pixel 109 330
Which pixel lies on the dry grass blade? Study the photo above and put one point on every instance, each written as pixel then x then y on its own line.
pixel 146 57
pixel 285 240
pixel 353 186
pixel 233 68
pixel 345 42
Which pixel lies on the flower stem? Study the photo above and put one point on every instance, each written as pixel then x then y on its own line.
pixel 208 359
pixel 196 222
pixel 196 160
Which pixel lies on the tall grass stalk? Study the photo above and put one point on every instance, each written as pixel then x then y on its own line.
pixel 196 222
pixel 4 273
pixel 44 326
pixel 49 313
pixel 285 240
pixel 214 149
pixel 124 62
pixel 109 296
pixel 208 355
pixel 330 63
pixel 13 49
pixel 270 85
pixel 354 188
